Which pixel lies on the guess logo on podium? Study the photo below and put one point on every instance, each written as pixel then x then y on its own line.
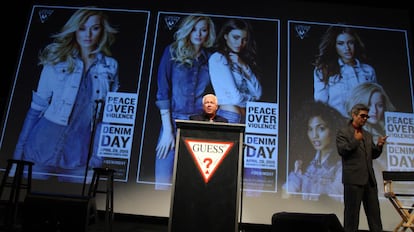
pixel 208 155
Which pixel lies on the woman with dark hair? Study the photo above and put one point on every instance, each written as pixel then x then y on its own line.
pixel 340 65
pixel 314 129
pixel 234 70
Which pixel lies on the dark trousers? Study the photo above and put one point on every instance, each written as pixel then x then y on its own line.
pixel 354 195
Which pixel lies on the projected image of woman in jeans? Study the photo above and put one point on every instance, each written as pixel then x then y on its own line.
pixel 78 71
pixel 234 70
pixel 183 80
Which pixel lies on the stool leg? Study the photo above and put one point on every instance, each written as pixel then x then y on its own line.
pixel 93 185
pixel 2 186
pixel 4 180
pixel 109 195
pixel 112 198
pixel 107 222
pixel 16 192
pixel 16 185
pixel 92 194
pixel 109 203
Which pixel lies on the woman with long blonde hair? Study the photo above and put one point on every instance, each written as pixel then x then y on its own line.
pixel 77 72
pixel 183 80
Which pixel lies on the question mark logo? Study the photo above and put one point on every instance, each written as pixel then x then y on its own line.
pixel 208 161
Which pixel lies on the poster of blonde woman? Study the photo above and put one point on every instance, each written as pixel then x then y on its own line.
pixel 195 54
pixel 75 93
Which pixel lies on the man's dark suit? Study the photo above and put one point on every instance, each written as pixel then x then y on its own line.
pixel 205 117
pixel 358 178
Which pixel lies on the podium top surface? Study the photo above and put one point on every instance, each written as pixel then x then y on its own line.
pixel 205 124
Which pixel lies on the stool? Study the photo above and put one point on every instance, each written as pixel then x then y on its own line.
pixel 400 198
pixel 94 188
pixel 16 184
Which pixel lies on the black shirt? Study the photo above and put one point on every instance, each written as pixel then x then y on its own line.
pixel 206 117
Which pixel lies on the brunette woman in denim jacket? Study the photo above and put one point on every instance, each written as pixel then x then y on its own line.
pixel 340 65
pixel 234 70
pixel 183 80
pixel 77 74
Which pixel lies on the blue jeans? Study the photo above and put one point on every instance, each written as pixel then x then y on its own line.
pixel 164 171
pixel 232 117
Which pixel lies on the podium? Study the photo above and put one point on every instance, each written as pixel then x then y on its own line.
pixel 206 188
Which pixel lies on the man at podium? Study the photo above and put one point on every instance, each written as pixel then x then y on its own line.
pixel 210 107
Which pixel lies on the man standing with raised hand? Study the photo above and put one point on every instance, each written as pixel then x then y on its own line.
pixel 357 149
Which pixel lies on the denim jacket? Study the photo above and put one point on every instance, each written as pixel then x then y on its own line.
pixel 339 87
pixel 63 86
pixel 231 85
pixel 181 87
pixel 57 92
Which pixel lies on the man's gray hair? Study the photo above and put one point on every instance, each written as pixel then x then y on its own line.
pixel 358 107
pixel 210 95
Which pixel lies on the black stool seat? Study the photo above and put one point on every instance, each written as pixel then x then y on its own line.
pixel 94 188
pixel 16 183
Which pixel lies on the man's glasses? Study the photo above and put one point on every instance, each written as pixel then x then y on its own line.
pixel 364 116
